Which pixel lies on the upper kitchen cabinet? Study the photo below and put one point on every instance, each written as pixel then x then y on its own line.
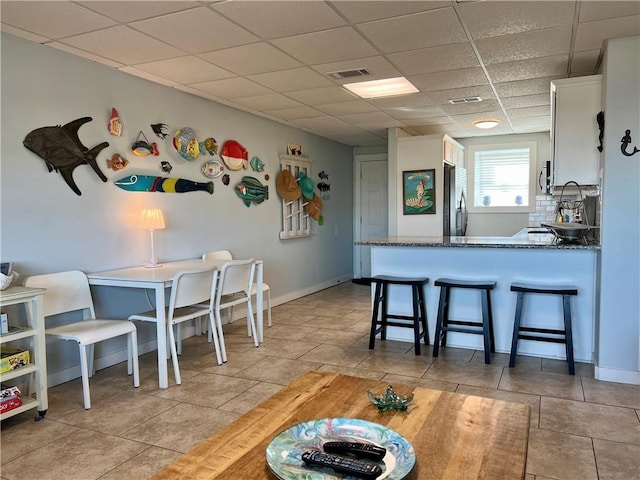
pixel 452 152
pixel 575 104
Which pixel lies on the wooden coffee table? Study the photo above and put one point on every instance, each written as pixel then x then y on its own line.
pixel 455 436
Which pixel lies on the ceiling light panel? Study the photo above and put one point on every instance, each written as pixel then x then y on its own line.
pixel 381 88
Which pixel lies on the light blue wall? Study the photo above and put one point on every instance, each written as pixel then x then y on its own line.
pixel 45 227
pixel 619 334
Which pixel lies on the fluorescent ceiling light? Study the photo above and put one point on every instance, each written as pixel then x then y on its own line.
pixel 386 87
pixel 486 124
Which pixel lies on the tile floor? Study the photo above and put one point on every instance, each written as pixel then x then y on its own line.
pixel 580 428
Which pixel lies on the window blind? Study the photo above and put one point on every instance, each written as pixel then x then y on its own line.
pixel 502 178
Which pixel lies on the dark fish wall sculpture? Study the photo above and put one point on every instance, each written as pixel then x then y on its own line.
pixel 62 150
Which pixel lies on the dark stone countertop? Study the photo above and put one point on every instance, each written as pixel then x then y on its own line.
pixel 522 239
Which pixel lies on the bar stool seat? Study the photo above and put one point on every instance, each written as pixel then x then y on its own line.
pixel 415 321
pixel 544 334
pixel 444 324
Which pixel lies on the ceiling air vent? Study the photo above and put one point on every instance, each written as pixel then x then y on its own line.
pixel 357 72
pixel 457 101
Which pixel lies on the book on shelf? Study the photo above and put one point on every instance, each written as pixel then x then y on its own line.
pixel 14 329
pixel 10 403
pixel 8 391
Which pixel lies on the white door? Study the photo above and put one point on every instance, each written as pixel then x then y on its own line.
pixel 374 208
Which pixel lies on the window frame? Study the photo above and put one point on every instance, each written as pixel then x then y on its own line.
pixel 533 162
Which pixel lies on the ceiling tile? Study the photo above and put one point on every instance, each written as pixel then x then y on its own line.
pixel 492 19
pixel 83 54
pixel 275 19
pixel 148 76
pixel 328 46
pixel 585 61
pixel 526 101
pixel 295 113
pixel 367 117
pixel 132 10
pixel 435 59
pixel 442 97
pixel 401 101
pixel 366 11
pixel 406 113
pixel 378 67
pixel 467 119
pixel 427 29
pixel 115 44
pixel 232 88
pixel 532 124
pixel 520 46
pixel 472 107
pixel 251 59
pixel 324 123
pixel 185 70
pixel 320 96
pixel 345 108
pixel 291 80
pixel 272 101
pixel 415 122
pixel 528 112
pixel 531 68
pixel 17 32
pixel 590 11
pixel 195 31
pixel 362 139
pixel 591 35
pixel 526 87
pixel 51 19
pixel 465 77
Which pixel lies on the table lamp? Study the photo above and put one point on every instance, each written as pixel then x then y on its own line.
pixel 152 220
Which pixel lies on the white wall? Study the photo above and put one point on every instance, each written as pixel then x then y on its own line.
pixel 620 228
pixel 45 227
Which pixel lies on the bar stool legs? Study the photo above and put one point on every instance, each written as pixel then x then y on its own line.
pixel 417 321
pixel 544 334
pixel 444 324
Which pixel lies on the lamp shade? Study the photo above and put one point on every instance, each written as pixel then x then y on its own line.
pixel 152 219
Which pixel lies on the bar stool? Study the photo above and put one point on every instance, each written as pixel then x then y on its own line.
pixel 444 324
pixel 547 334
pixel 414 321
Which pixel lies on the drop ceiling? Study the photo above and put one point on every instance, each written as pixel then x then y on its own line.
pixel 272 58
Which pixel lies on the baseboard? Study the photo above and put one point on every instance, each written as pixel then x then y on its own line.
pixel 618 376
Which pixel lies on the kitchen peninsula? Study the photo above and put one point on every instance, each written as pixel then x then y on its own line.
pixel 525 257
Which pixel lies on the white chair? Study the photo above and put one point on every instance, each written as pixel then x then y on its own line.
pixel 69 292
pixel 226 255
pixel 234 288
pixel 192 296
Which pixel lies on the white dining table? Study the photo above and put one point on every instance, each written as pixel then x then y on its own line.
pixel 158 279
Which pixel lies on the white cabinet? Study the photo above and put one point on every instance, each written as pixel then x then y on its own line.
pixel 452 152
pixel 575 103
pixel 32 299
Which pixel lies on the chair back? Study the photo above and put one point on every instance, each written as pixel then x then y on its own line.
pixel 236 276
pixel 218 255
pixel 191 287
pixel 66 292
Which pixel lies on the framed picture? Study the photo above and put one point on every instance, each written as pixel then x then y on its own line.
pixel 418 192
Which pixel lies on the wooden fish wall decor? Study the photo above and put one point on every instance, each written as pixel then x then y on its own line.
pixel 251 190
pixel 62 150
pixel 151 183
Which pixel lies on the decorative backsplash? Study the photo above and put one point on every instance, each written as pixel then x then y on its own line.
pixel 546 207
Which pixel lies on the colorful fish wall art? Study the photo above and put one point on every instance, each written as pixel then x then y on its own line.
pixel 62 150
pixel 117 162
pixel 143 148
pixel 150 183
pixel 250 190
pixel 115 125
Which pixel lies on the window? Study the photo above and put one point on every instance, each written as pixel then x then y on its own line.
pixel 502 177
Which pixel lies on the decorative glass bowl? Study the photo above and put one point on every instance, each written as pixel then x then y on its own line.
pixel 390 400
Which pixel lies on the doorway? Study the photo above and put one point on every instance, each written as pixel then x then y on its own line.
pixel 371 216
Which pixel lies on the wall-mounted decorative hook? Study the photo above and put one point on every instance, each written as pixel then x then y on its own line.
pixel 600 121
pixel 626 140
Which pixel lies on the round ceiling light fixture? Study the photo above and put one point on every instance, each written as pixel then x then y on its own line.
pixel 486 124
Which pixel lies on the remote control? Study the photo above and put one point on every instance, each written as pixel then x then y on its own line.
pixel 349 466
pixel 357 449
